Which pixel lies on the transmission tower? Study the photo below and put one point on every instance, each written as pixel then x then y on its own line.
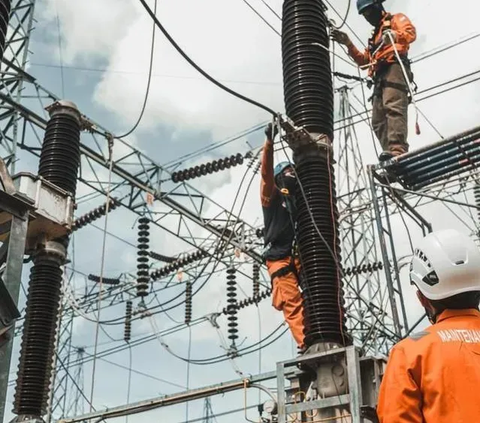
pixel 77 406
pixel 208 415
pixel 367 300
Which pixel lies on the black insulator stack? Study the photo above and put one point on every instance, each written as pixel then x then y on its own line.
pixel 188 302
pixel 232 305
pixel 208 168
pixel 39 334
pixel 60 156
pixel 249 301
pixel 161 257
pixel 319 249
pixel 307 76
pixel 178 264
pixel 94 214
pixel 256 279
pixel 308 93
pixel 364 268
pixel 476 193
pixel 59 162
pixel 106 281
pixel 143 276
pixel 4 19
pixel 127 334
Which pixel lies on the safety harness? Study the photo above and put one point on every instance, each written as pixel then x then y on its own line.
pixel 378 81
pixel 284 271
pixel 290 268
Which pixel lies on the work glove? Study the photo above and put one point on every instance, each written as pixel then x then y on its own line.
pixel 271 131
pixel 340 37
pixel 386 36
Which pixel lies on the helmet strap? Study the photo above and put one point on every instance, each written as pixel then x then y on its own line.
pixel 432 316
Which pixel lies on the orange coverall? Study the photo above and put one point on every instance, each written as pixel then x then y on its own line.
pixel 434 376
pixel 286 295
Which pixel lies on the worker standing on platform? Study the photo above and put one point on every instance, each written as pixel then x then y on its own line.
pixel 434 376
pixel 391 93
pixel 278 203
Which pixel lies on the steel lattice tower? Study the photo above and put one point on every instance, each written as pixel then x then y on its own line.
pixel 367 300
pixel 208 415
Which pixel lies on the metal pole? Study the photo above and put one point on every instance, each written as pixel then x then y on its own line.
pixel 383 247
pixel 13 280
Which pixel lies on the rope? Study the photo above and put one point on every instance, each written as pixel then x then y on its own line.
pixel 407 81
pixel 102 268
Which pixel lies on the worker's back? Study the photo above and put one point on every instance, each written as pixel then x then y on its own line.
pixel 434 376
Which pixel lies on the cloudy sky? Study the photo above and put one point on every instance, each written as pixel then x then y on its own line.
pixel 96 53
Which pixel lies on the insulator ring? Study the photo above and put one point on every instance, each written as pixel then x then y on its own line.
pixel 143 257
pixel 476 193
pixel 106 281
pixel 128 322
pixel 365 268
pixel 94 214
pixel 188 302
pixel 177 264
pixel 211 167
pixel 256 279
pixel 232 306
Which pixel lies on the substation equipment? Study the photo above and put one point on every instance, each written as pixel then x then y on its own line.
pixel 36 217
pixel 333 381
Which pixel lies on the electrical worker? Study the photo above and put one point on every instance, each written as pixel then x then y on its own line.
pixel 434 376
pixel 279 213
pixel 390 93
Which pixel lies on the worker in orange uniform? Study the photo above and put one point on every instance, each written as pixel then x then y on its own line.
pixel 434 376
pixel 391 93
pixel 278 203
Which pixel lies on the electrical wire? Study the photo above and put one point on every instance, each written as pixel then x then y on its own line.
pixel 344 20
pixel 198 68
pixel 129 380
pixel 271 9
pixel 149 80
pixel 137 372
pixel 102 268
pixel 212 360
pixel 261 17
pixel 60 50
pixel 189 352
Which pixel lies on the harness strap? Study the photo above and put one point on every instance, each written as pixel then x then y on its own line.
pixel 284 271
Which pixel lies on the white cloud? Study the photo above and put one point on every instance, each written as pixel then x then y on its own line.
pixel 231 43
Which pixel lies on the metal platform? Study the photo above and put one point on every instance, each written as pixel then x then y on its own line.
pixel 434 163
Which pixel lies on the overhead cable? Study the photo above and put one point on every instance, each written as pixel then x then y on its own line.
pixel 149 80
pixel 261 17
pixel 198 68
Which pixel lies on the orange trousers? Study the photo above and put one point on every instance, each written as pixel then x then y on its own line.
pixel 286 297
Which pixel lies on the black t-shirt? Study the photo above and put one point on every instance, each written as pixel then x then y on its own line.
pixel 279 229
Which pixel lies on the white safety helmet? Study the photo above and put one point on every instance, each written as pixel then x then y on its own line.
pixel 446 263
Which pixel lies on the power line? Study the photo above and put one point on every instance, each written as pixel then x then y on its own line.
pixel 261 17
pixel 271 9
pixel 149 80
pixel 198 68
pixel 344 20
pixel 154 75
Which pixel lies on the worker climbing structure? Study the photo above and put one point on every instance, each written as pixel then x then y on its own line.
pixel 346 238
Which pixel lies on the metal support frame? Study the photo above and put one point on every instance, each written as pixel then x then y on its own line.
pixel 14 213
pixel 383 197
pixel 390 197
pixel 363 378
pixel 370 321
